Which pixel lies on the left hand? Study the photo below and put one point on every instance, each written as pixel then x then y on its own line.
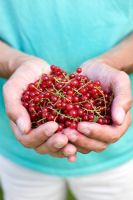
pixel 96 137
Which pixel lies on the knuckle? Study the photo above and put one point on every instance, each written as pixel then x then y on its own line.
pixel 41 137
pixel 39 151
pixel 84 151
pixel 130 120
pixel 114 138
pixel 85 144
pixel 92 134
pixel 101 148
pixel 128 102
pixel 26 143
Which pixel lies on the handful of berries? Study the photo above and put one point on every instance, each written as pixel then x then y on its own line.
pixel 67 99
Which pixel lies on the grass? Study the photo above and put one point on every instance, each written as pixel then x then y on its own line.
pixel 1 195
pixel 69 196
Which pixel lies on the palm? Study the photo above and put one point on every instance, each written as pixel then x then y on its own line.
pixel 28 72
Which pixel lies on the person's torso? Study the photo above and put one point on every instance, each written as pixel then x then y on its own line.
pixel 65 33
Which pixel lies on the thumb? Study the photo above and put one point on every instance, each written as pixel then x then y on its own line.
pixel 122 98
pixel 18 114
pixel 14 108
pixel 118 113
pixel 23 121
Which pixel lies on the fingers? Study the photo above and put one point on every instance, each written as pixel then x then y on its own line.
pixel 104 133
pixel 72 158
pixel 121 88
pixel 85 144
pixel 68 151
pixel 71 134
pixel 36 136
pixel 83 150
pixel 58 146
pixel 53 144
pixel 14 108
pixel 44 140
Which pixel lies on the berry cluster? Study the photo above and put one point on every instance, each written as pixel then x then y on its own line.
pixel 67 99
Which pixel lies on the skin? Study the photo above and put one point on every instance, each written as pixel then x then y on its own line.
pixel 90 136
pixel 43 139
pixel 96 137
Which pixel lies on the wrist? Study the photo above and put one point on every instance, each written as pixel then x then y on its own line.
pixel 107 59
pixel 97 61
pixel 17 59
pixel 11 59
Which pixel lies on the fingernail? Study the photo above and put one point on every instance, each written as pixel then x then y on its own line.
pixel 84 128
pixel 120 115
pixel 50 128
pixel 21 124
pixel 85 131
pixel 72 134
pixel 73 137
pixel 58 145
pixel 72 158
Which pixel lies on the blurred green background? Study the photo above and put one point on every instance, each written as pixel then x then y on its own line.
pixel 69 196
pixel 1 195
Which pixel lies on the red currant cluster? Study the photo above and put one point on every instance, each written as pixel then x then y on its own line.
pixel 67 99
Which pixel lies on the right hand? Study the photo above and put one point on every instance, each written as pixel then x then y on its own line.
pixel 43 139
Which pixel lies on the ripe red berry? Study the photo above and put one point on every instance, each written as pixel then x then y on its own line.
pixel 72 76
pixel 67 123
pixel 88 106
pixel 69 106
pixel 36 99
pixel 85 118
pixel 66 99
pixel 73 125
pixel 60 127
pixel 63 105
pixel 79 70
pixel 74 83
pixel 100 121
pixel 80 112
pixel 91 117
pixel 83 91
pixel 75 99
pixel 73 113
pixel 76 106
pixel 97 83
pixel 90 86
pixel 53 98
pixel 70 92
pixel 31 87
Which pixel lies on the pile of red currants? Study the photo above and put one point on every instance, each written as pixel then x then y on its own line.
pixel 67 99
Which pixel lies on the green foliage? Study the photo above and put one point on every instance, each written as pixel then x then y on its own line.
pixel 1 194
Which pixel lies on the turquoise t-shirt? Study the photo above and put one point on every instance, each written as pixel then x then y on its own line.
pixel 66 33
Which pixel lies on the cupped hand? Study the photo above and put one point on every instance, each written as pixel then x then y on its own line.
pixel 93 136
pixel 43 139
